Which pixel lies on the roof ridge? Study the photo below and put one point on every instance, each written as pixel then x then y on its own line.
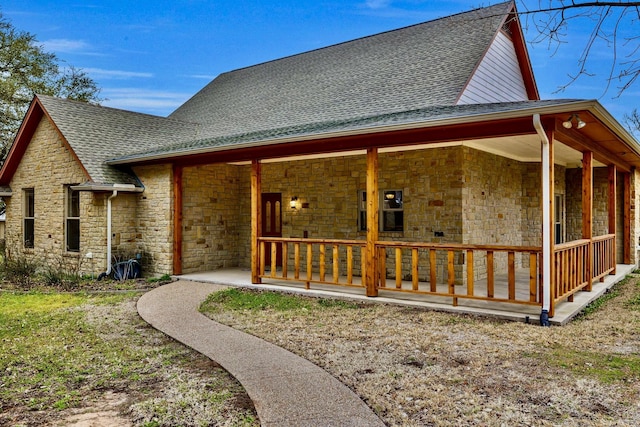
pixel 369 36
pixel 104 107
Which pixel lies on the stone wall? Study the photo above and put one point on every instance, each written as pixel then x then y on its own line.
pixel 212 217
pixel 154 219
pixel 48 166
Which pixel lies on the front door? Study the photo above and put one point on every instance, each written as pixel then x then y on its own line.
pixel 272 224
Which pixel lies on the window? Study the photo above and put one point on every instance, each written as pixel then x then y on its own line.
pixel 392 217
pixel 72 220
pixel 362 210
pixel 29 215
pixel 391 207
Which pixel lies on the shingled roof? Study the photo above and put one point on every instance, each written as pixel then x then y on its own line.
pixel 97 134
pixel 416 67
pixel 410 74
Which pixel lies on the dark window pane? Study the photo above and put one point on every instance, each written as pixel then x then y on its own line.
pixel 28 233
pixel 73 208
pixel 29 203
pixel 393 221
pixel 73 235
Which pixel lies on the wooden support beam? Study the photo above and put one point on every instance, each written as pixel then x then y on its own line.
pixel 626 237
pixel 612 198
pixel 587 212
pixel 256 222
pixel 177 219
pixel 372 222
pixel 613 208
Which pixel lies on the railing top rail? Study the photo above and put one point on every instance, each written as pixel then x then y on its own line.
pixel 312 241
pixel 604 237
pixel 460 246
pixel 572 244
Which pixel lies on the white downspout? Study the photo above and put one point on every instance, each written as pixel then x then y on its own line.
pixel 113 195
pixel 546 222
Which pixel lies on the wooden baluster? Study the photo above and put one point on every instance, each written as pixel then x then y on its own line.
pixel 274 254
pixel 285 259
pixel 432 270
pixel 490 275
pixel 451 276
pixel 414 269
pixel 309 265
pixel 398 268
pixel 262 251
pixel 382 268
pixel 322 261
pixel 349 265
pixel 470 280
pixel 296 260
pixel 533 272
pixel 336 264
pixel 512 275
pixel 363 264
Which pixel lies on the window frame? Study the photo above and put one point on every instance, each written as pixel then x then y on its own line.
pixel 383 208
pixel 71 198
pixel 387 208
pixel 28 218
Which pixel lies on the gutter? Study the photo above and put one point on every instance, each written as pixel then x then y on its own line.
pixel 546 222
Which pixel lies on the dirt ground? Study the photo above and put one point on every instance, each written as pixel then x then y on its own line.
pixel 415 367
pixel 421 368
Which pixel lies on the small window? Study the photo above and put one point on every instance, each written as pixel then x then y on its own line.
pixel 392 210
pixel 362 210
pixel 72 220
pixel 392 218
pixel 29 218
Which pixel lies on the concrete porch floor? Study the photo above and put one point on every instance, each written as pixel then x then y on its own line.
pixel 565 311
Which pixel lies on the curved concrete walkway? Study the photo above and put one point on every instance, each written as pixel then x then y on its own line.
pixel 286 389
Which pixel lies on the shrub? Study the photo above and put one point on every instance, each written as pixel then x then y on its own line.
pixel 21 271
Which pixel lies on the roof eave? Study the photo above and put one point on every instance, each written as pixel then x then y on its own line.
pixel 471 118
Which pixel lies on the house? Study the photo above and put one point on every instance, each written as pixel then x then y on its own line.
pixel 419 160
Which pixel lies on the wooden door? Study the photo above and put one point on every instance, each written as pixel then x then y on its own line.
pixel 272 224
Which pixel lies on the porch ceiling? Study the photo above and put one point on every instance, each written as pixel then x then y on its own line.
pixel 522 148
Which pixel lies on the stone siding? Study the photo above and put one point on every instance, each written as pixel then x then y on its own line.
pixel 212 217
pixel 48 166
pixel 154 219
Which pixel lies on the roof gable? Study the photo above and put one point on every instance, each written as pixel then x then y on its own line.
pixel 94 134
pixel 415 67
pixel 498 77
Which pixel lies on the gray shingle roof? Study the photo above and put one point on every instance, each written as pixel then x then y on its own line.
pixel 421 116
pixel 407 69
pixel 97 134
pixel 413 74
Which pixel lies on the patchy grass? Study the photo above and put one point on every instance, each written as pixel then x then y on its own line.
pixel 249 300
pixel 415 367
pixel 63 352
pixel 246 300
pixel 593 364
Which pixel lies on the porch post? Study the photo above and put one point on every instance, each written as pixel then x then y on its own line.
pixel 256 220
pixel 373 224
pixel 587 211
pixel 612 209
pixel 626 237
pixel 177 219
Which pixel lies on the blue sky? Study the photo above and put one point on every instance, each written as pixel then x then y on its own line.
pixel 151 56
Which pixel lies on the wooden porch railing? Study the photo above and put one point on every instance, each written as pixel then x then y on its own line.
pixel 309 259
pixel 572 259
pixel 443 270
pixel 473 256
